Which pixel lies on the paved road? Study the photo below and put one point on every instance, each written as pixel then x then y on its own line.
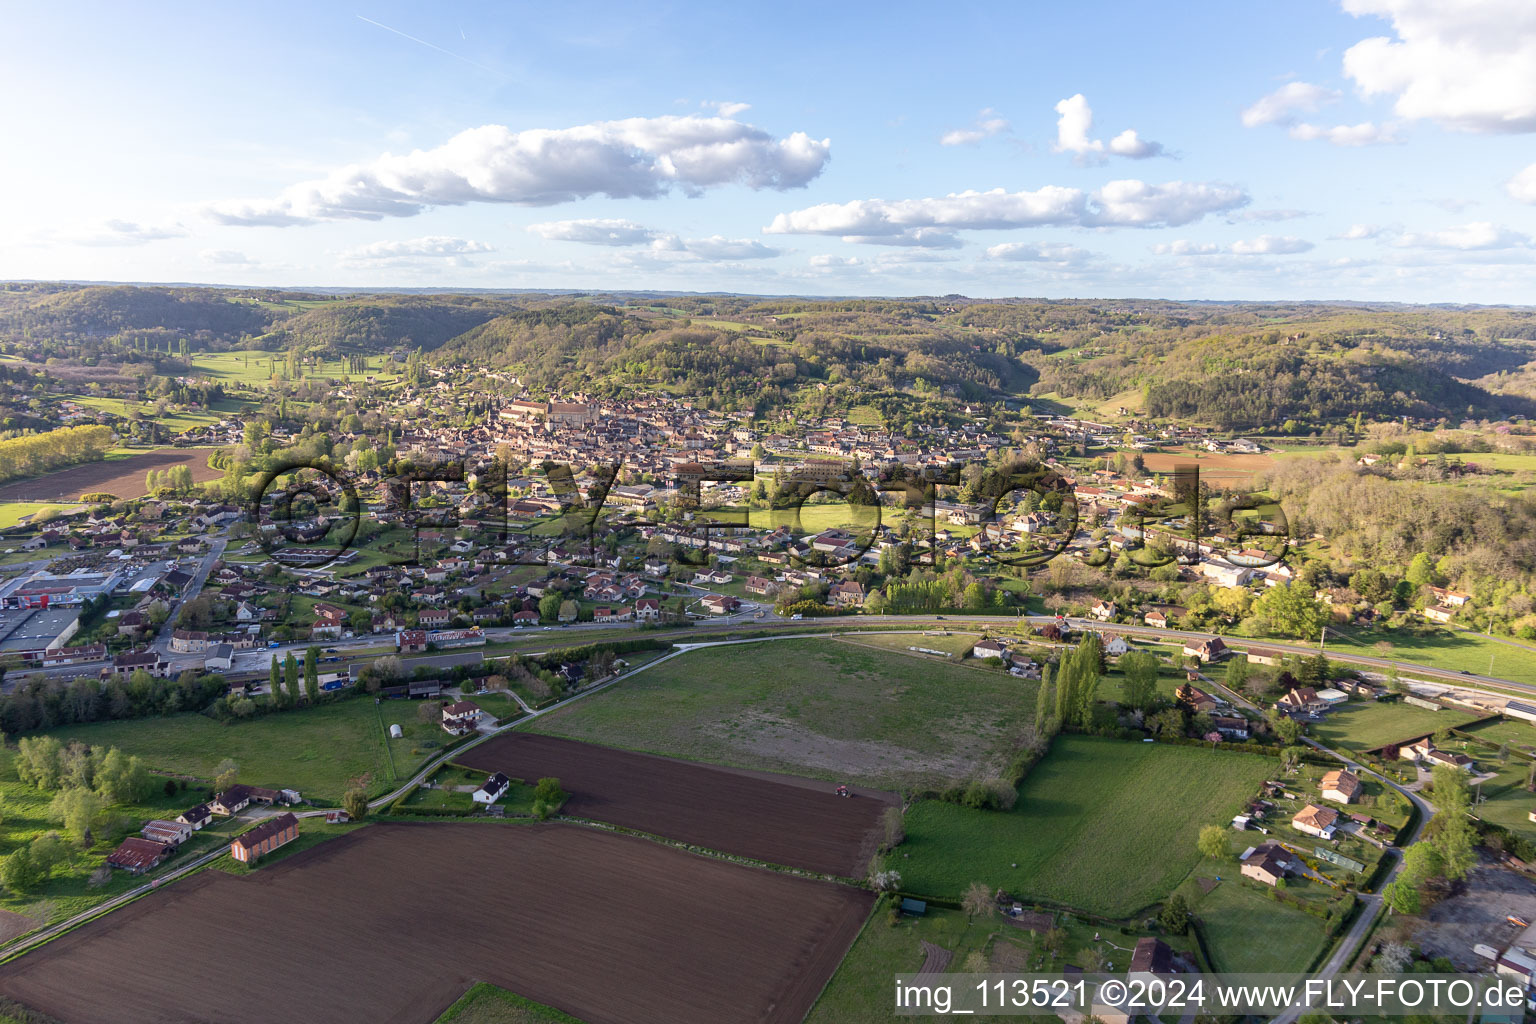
pixel 1371 903
pixel 162 642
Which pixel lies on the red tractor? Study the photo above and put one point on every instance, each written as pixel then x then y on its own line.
pixel 844 791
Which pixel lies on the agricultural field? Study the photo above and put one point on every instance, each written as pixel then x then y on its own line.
pixel 487 1004
pixel 319 751
pixel 860 991
pixel 1366 725
pixel 256 367
pixel 1456 650
pixel 123 478
pixel 1103 825
pixel 13 512
pixel 839 711
pixel 692 945
pixel 1516 733
pixel 1247 931
pixel 70 890
pixel 777 819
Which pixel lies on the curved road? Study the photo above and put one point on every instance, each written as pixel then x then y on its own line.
pixel 1371 904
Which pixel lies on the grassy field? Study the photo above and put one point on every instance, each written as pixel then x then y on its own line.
pixel 256 367
pixel 820 707
pixel 69 891
pixel 860 991
pixel 1248 932
pixel 1365 725
pixel 1519 734
pixel 487 1004
pixel 11 512
pixel 312 832
pixel 1103 825
pixel 1455 650
pixel 319 751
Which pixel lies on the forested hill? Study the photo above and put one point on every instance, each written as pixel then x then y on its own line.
pixel 1230 365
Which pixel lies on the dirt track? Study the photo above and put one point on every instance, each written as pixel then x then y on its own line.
pixel 393 922
pixel 121 477
pixel 780 819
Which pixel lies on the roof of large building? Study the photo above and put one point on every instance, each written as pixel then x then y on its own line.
pixel 266 830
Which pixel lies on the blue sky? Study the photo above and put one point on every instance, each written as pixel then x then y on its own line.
pixel 1356 149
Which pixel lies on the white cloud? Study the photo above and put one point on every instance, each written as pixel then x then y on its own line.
pixel 1039 252
pixel 825 261
pixel 1129 144
pixel 626 233
pixel 637 157
pixel 1184 247
pixel 1357 232
pixel 1127 203
pixel 726 108
pixel 917 238
pixel 596 231
pixel 1264 245
pixel 1475 236
pixel 114 233
pixel 1523 185
pixel 1074 134
pixel 1271 245
pixel 1366 133
pixel 718 247
pixel 226 257
pixel 1469 66
pixel 428 247
pixel 1267 215
pixel 1282 105
pixel 987 125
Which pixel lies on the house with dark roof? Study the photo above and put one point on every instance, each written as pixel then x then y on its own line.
pixel 1151 957
pixel 197 817
pixel 492 789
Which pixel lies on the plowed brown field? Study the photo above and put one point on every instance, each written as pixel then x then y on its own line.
pixel 123 478
pixel 779 819
pixel 391 923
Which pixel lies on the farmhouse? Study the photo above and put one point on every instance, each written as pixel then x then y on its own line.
pixel 153 662
pixel 197 817
pixel 137 856
pixel 1316 821
pixel 461 717
pixel 491 790
pixel 1205 650
pixel 1341 786
pixel 1195 698
pixel 1151 958
pixel 848 594
pixel 987 649
pixel 719 604
pixel 1267 863
pixel 1233 727
pixel 1265 656
pixel 1301 698
pixel 264 838
pixel 171 833
pixel 1115 645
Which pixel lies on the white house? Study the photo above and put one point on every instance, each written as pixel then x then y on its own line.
pixel 492 790
pixel 1316 821
pixel 987 649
